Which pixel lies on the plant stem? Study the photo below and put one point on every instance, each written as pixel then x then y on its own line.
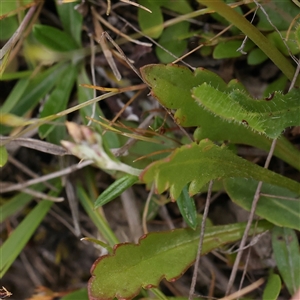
pixel 194 279
pixel 251 216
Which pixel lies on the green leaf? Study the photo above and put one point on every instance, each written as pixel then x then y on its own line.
pixel 255 35
pixel 286 251
pixel 158 255
pixel 71 20
pixel 10 24
pixel 13 7
pixel 3 156
pixel 277 85
pixel 16 203
pixel 173 39
pixel 59 98
pixel 181 7
pixel 187 208
pixel 96 217
pixel 227 49
pixel 201 163
pixel 297 35
pixel 151 23
pixel 81 294
pixel 276 39
pixel 37 88
pixel 53 38
pixel 281 212
pixel 267 116
pixel 116 189
pixel 15 95
pixel 85 94
pixel 15 75
pixel 273 287
pixel 172 84
pixel 281 13
pixel 256 56
pixel 15 243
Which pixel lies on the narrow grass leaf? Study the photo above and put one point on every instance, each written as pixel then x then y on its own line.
pixel 59 98
pixel 281 212
pixel 71 20
pixel 96 217
pixel 273 287
pixel 116 189
pixel 16 203
pixel 15 95
pixel 286 251
pixel 158 255
pixel 84 95
pixel 54 39
pixel 98 242
pixel 3 156
pixel 15 243
pixel 187 207
pixel 38 87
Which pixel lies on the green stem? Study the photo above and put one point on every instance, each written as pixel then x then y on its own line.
pixel 159 294
pixel 255 35
pixel 96 217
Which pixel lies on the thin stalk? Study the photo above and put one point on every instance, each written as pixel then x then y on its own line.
pixel 194 279
pixel 251 216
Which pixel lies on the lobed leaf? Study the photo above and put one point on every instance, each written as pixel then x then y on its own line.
pixel 286 252
pixel 199 163
pixel 171 85
pixel 269 116
pixel 157 256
